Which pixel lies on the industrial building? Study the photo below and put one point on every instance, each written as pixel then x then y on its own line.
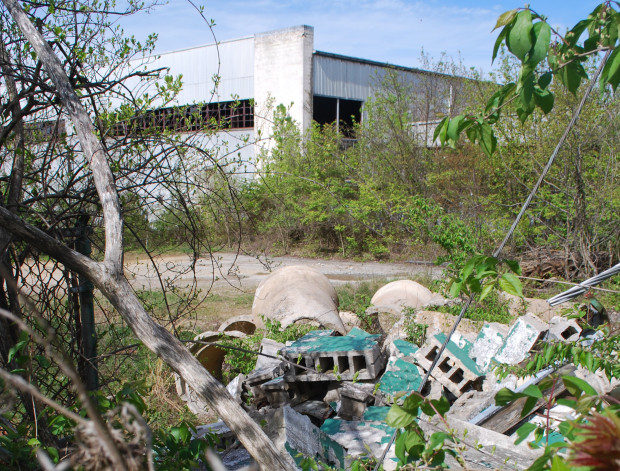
pixel 239 83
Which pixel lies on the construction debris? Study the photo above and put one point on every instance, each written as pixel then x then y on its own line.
pixel 327 394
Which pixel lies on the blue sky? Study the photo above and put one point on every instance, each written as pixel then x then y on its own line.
pixel 394 31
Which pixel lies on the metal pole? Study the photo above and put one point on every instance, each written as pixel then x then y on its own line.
pixel 87 309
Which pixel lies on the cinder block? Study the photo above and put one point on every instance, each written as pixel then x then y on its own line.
pixel 487 344
pixel 279 392
pixel 340 358
pixel 353 402
pixel 523 335
pixel 563 329
pixel 455 370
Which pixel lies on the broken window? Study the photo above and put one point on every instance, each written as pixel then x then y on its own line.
pixel 327 110
pixel 191 118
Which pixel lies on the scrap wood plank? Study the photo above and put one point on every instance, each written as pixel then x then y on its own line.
pixel 509 416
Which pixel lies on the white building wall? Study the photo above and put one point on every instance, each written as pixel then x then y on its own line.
pixel 232 61
pixel 283 75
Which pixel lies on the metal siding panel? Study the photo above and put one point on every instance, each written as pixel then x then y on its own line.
pixel 199 65
pixel 349 79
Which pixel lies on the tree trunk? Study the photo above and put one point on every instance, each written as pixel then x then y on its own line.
pixel 108 276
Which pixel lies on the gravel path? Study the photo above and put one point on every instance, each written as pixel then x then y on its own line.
pixel 232 271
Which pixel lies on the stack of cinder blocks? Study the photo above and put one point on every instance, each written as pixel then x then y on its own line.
pixel 356 356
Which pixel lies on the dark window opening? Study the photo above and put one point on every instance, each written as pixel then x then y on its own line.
pixel 326 110
pixel 190 118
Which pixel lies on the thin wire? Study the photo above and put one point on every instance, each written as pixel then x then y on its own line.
pixel 508 235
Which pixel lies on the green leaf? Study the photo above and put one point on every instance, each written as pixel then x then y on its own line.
pixel 571 76
pixel 514 266
pixel 439 129
pixel 505 18
pixel 498 42
pixel 505 396
pixel 488 141
pixel 544 99
pixel 542 32
pixel 397 417
pixel 437 440
pixel 511 284
pixel 455 288
pixel 577 386
pixel 558 464
pixel 611 71
pixel 544 80
pixel 532 391
pixel 452 133
pixel 15 349
pixel 519 41
pixel 529 406
pixel 486 290
pixel 524 431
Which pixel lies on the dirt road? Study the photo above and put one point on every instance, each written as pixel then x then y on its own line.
pixel 232 271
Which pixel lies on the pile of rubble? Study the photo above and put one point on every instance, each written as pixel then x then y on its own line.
pixel 327 394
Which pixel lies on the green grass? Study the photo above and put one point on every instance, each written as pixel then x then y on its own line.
pixel 492 309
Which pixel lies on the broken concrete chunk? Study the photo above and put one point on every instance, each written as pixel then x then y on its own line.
pixel 271 348
pixel 290 431
pixel 483 448
pixel 219 432
pixel 400 377
pixel 523 335
pixel 235 387
pixel 471 404
pixel 349 357
pixel 563 329
pixel 456 371
pixel 487 344
pixel 317 409
pixel 342 442
pixel 296 293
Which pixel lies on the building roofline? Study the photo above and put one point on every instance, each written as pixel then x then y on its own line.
pixel 386 65
pixel 218 43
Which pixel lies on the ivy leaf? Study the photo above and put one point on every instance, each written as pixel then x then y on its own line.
pixel 505 18
pixel 519 41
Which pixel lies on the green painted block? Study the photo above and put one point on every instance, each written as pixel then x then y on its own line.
pixel 376 413
pixel 400 377
pixel 404 347
pixel 461 353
